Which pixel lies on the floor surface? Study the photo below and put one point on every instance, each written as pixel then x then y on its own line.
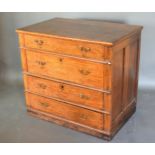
pixel 17 126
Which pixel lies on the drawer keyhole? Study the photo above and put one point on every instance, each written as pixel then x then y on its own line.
pixel 61 87
pixel 61 60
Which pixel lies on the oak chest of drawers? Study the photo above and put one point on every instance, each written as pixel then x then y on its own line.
pixel 81 74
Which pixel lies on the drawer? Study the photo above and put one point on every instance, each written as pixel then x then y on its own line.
pixel 75 48
pixel 69 69
pixel 64 91
pixel 67 111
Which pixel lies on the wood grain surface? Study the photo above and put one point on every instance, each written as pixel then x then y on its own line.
pixel 81 74
pixel 108 33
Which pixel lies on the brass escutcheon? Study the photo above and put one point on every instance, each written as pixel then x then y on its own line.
pixel 82 96
pixel 41 85
pixel 39 42
pixel 84 72
pixel 44 104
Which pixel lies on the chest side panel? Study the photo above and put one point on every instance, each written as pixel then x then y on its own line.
pixel 124 91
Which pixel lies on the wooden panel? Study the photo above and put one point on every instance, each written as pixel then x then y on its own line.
pixel 69 69
pixel 24 60
pixel 127 74
pixel 75 48
pixel 131 80
pixel 123 117
pixel 130 70
pixel 137 65
pixel 66 92
pixel 117 82
pixel 89 30
pixel 21 39
pixel 66 111
pixel 22 53
pixel 69 124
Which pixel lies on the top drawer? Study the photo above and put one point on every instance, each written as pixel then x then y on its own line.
pixel 70 47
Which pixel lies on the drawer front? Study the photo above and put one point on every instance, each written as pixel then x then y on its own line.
pixel 66 92
pixel 67 111
pixel 75 48
pixel 68 69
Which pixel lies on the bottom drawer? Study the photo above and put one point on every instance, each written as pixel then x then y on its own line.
pixel 67 111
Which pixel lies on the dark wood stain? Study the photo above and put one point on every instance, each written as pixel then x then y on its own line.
pixel 96 31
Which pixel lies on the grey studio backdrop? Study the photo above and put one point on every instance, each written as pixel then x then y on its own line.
pixel 21 128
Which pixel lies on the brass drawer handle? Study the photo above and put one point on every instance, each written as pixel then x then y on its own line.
pixel 85 49
pixel 61 87
pixel 82 96
pixel 84 72
pixel 39 42
pixel 41 63
pixel 41 85
pixel 83 117
pixel 44 104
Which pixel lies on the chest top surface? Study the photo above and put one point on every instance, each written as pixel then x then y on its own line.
pixel 87 30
